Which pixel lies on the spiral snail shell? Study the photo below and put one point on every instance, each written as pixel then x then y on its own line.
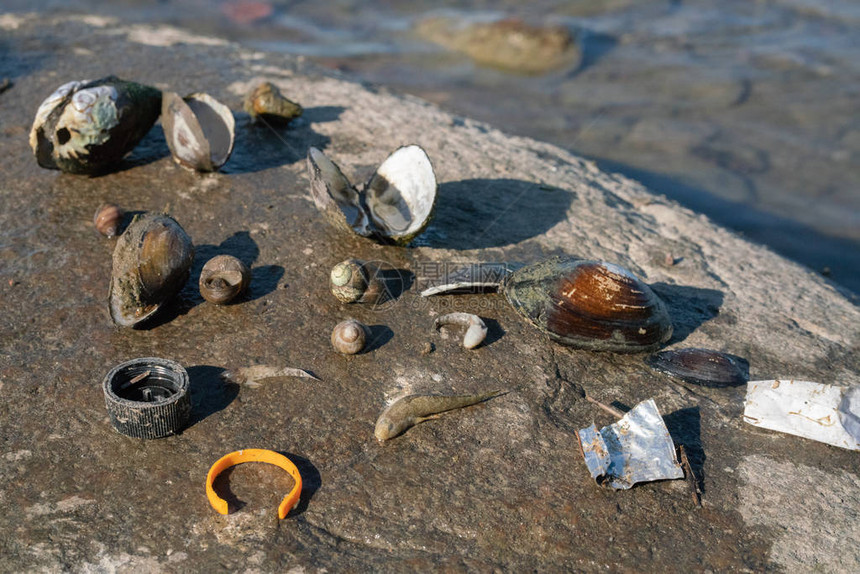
pixel 349 337
pixel 223 279
pixel 356 281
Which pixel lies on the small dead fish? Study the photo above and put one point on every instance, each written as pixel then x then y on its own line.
pixel 413 409
pixel 252 377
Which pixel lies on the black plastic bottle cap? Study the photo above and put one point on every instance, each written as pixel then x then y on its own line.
pixel 147 397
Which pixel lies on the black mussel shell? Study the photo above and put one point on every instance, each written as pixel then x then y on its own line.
pixel 592 305
pixel 702 367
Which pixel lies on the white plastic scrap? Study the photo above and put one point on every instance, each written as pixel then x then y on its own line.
pixel 637 448
pixel 825 413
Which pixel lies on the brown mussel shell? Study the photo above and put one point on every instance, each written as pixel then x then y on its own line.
pixel 151 263
pixel 701 367
pixel 592 305
pixel 223 279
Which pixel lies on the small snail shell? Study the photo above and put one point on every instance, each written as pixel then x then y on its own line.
pixel 349 280
pixel 223 279
pixel 349 337
pixel 108 219
pixel 355 281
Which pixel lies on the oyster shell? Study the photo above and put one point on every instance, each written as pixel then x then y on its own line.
pixel 591 305
pixel 85 126
pixel 199 130
pixel 395 205
pixel 151 262
pixel 701 366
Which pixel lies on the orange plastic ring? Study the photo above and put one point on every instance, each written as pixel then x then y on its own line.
pixel 254 455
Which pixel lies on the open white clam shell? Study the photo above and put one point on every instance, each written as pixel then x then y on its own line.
pixel 395 205
pixel 199 130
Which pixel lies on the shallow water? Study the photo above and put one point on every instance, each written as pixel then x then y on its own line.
pixel 745 111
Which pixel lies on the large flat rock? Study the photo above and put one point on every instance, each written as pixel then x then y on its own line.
pixel 499 485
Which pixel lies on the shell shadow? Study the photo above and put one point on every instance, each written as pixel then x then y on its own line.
pixel 152 148
pixel 685 428
pixel 495 331
pixel 482 213
pixel 311 480
pixel 261 146
pixel 209 392
pixel 689 307
pixel 379 335
pixel 395 282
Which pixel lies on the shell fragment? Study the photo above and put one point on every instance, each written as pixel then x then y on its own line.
pixel 825 413
pixel 637 448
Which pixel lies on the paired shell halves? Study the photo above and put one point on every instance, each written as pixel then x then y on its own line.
pixel 395 205
pixel 590 305
pixel 199 130
pixel 151 263
pixel 85 126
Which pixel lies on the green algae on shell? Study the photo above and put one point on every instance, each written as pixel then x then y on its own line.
pixel 151 262
pixel 84 127
pixel 395 205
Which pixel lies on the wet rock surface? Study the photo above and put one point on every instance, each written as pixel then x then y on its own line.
pixel 496 485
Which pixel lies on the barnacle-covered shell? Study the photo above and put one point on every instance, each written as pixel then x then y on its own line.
pixel 395 205
pixel 199 130
pixel 223 279
pixel 267 104
pixel 590 305
pixel 108 219
pixel 151 263
pixel 702 366
pixel 85 126
pixel 348 337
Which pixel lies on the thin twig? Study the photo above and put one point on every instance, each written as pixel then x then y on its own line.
pixel 691 477
pixel 611 410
